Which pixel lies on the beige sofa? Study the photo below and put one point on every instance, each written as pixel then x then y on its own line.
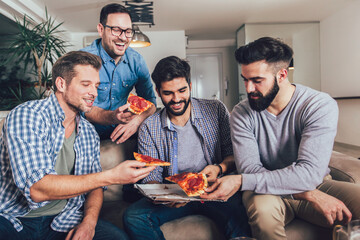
pixel 343 167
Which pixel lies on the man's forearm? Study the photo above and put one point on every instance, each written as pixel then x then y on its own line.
pixel 92 207
pixel 55 187
pixel 101 116
pixel 147 113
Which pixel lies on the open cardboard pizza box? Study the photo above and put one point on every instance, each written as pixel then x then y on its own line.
pixel 168 193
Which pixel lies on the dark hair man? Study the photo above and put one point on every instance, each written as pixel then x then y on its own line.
pixel 194 135
pixel 51 179
pixel 283 136
pixel 123 69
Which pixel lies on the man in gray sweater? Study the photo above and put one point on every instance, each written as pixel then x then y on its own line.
pixel 282 137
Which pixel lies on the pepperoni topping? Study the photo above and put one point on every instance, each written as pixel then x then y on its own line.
pixel 179 177
pixel 194 182
pixel 137 102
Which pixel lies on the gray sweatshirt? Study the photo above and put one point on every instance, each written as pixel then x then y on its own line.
pixel 288 153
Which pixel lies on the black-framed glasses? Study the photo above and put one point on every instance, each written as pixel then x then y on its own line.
pixel 116 31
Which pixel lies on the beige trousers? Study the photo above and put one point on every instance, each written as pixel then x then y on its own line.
pixel 269 214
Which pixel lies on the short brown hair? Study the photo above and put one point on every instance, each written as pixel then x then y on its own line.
pixel 65 66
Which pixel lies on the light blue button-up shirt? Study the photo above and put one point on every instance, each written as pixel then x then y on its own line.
pixel 117 80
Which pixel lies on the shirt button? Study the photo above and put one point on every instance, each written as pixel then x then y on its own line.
pixel 126 85
pixel 105 88
pixel 112 98
pixel 113 84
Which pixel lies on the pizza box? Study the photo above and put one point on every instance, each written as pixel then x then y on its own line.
pixel 168 193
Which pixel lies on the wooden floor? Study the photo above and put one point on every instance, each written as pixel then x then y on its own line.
pixel 347 149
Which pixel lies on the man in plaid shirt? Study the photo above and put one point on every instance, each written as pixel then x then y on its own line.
pixel 194 135
pixel 51 184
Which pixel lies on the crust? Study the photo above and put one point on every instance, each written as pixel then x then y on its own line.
pixel 139 158
pixel 165 164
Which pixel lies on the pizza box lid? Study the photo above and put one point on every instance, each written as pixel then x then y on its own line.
pixel 168 193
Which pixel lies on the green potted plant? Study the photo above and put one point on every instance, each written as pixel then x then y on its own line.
pixel 36 47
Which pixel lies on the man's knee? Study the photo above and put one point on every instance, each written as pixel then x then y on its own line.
pixel 266 215
pixel 136 215
pixel 106 230
pixel 346 192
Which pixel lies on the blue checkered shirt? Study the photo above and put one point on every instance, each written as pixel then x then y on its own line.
pixel 158 138
pixel 31 139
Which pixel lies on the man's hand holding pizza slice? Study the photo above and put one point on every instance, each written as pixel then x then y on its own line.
pixel 130 117
pixel 223 188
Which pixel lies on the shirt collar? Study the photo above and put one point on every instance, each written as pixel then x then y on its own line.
pixel 106 57
pixel 195 109
pixel 59 114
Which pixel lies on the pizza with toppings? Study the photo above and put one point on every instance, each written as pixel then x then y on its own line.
pixel 193 184
pixel 138 104
pixel 150 161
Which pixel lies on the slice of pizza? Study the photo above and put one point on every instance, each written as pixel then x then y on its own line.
pixel 138 104
pixel 150 161
pixel 193 184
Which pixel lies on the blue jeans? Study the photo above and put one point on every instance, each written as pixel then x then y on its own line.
pixel 39 228
pixel 142 220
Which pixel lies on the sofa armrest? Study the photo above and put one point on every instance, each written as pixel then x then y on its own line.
pixel 344 168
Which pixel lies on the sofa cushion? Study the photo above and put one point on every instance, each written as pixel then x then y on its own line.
pixel 344 167
pixel 112 154
pixel 191 227
pixel 299 229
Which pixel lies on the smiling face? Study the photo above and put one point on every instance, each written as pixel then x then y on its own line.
pixel 175 95
pixel 115 46
pixel 261 84
pixel 80 93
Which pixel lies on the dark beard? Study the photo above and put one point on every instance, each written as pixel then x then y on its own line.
pixel 264 101
pixel 170 110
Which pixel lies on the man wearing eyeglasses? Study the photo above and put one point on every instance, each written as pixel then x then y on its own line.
pixel 123 69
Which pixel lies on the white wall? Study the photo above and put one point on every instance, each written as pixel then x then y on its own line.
pixel 340 52
pixel 229 66
pixel 241 41
pixel 340 58
pixel 163 44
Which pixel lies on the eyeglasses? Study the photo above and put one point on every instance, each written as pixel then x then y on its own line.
pixel 116 31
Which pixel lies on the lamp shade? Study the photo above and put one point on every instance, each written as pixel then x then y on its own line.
pixel 139 39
